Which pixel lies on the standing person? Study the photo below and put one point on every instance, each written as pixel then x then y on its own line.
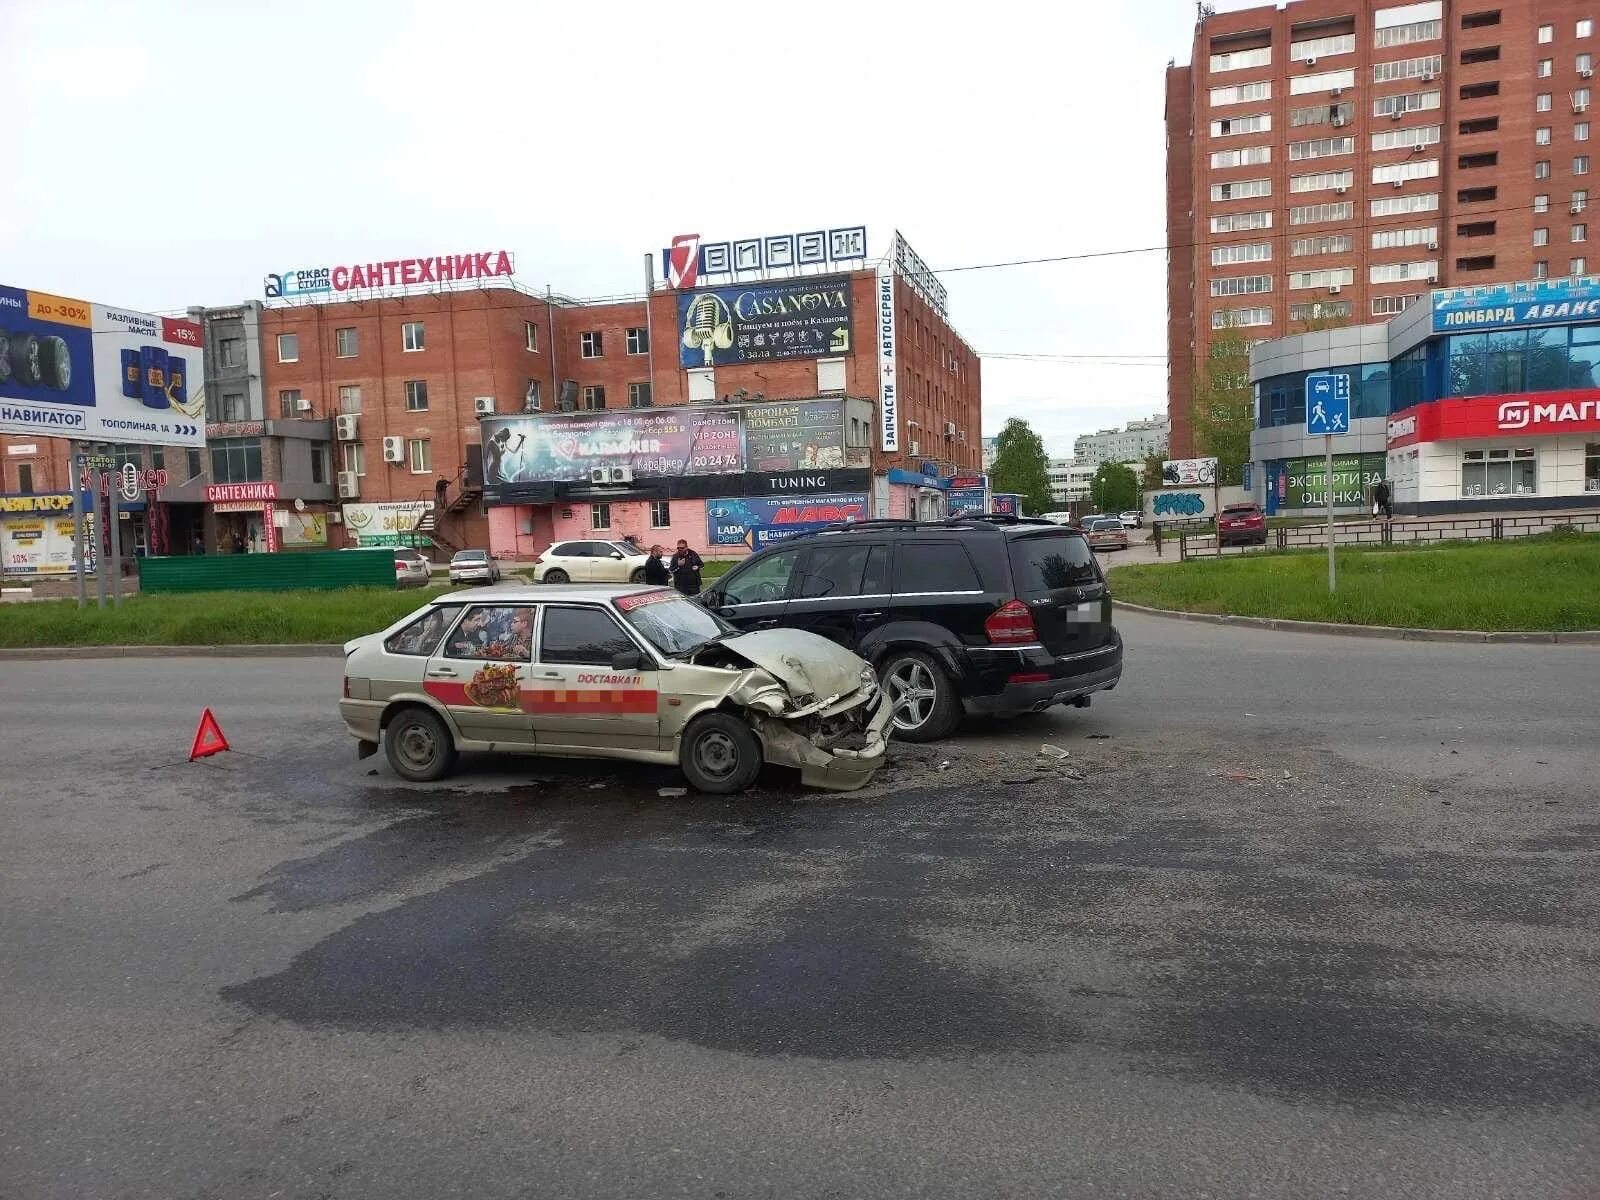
pixel 199 544
pixel 1381 498
pixel 655 571
pixel 238 542
pixel 439 489
pixel 686 568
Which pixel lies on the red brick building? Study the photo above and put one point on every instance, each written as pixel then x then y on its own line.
pixel 1330 160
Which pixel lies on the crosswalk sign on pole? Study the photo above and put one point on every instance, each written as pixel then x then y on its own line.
pixel 1328 404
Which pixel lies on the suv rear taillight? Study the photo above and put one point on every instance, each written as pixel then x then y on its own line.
pixel 400 564
pixel 538 560
pixel 1011 624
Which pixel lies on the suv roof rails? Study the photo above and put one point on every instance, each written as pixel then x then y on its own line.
pixel 874 523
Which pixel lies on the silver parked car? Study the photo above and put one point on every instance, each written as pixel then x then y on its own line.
pixel 474 566
pixel 612 672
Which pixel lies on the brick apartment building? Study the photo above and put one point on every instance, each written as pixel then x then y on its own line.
pixel 1329 161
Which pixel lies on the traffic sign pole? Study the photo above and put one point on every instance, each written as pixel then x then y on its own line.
pixel 1327 483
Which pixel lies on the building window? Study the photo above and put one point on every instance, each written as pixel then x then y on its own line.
pixel 532 397
pixel 158 458
pixel 1322 181
pixel 660 514
pixel 530 335
pixel 1500 472
pixel 1580 200
pixel 1242 285
pixel 638 341
pixel 1591 467
pixel 1541 237
pixel 349 398
pixel 191 460
pixel 233 407
pixel 1241 93
pixel 1389 239
pixel 1247 156
pixel 1334 277
pixel 1408 68
pixel 288 347
pixel 289 403
pixel 1396 206
pixel 1580 131
pixel 1322 81
pixel 354 455
pixel 1239 318
pixel 1388 306
pixel 1541 102
pixel 1585 27
pixel 420 452
pixel 235 460
pixel 345 343
pixel 1338 43
pixel 1238 60
pixel 1317 114
pixel 1241 189
pixel 411 336
pixel 1311 214
pixel 1585 65
pixel 1241 222
pixel 1404 35
pixel 591 345
pixel 638 395
pixel 1320 148
pixel 1580 165
pixel 25 477
pixel 1578 266
pixel 230 352
pixel 1541 136
pixel 1547 68
pixel 1580 233
pixel 1547 34
pixel 416 395
pixel 594 398
pixel 1541 204
pixel 1541 269
pixel 1403 271
pixel 1580 99
pixel 319 462
pixel 1541 169
pixel 600 516
pixel 1337 243
pixel 1403 139
pixel 1241 252
pixel 1405 102
pixel 1233 126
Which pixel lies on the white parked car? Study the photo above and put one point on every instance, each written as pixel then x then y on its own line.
pixel 590 562
pixel 474 566
pixel 1132 519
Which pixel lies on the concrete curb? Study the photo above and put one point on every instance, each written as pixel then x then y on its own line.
pixel 291 650
pixel 1579 637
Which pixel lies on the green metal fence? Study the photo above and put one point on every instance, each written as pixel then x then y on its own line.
pixel 320 569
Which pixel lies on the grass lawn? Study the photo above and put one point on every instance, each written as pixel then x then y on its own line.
pixel 1548 582
pixel 210 618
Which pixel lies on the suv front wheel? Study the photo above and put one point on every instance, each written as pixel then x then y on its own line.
pixel 924 699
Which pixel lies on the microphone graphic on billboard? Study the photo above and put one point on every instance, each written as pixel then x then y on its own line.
pixel 708 326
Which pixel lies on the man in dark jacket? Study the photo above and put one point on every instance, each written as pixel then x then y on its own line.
pixel 655 571
pixel 686 568
pixel 1381 497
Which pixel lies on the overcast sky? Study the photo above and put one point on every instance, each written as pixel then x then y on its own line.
pixel 169 154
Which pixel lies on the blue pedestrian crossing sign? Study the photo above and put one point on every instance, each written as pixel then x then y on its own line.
pixel 1328 403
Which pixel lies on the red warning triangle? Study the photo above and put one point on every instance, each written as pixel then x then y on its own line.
pixel 208 739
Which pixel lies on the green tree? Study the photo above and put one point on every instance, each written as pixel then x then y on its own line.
pixel 1021 466
pixel 1115 488
pixel 1150 477
pixel 1224 404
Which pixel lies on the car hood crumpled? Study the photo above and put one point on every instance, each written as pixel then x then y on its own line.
pixel 807 665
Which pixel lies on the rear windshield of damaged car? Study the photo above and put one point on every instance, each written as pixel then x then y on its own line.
pixel 674 626
pixel 1044 564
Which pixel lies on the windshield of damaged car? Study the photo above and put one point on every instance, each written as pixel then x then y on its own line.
pixel 674 626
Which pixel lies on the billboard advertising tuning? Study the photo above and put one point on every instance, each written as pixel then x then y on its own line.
pixel 793 318
pixel 76 369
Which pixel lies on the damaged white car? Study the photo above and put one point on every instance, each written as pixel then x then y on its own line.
pixel 612 672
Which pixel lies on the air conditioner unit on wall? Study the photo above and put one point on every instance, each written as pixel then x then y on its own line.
pixel 335 517
pixel 1433 245
pixel 1397 114
pixel 394 449
pixel 1311 60
pixel 1399 183
pixel 1333 290
pixel 345 426
pixel 302 405
pixel 483 405
pixel 349 486
pixel 1426 77
pixel 621 474
pixel 949 429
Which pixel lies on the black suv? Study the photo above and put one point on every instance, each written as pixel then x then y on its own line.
pixel 975 615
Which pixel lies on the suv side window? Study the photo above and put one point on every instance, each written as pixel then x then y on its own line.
pixel 933 567
pixel 581 636
pixel 762 582
pixel 566 550
pixel 833 570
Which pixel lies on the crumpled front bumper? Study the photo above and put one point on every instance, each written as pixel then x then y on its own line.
pixel 785 744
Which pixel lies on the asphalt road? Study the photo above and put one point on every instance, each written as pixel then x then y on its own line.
pixel 1298 917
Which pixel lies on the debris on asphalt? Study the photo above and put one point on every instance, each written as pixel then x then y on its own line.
pixel 1047 750
pixel 1240 776
pixel 1096 737
pixel 672 793
pixel 945 765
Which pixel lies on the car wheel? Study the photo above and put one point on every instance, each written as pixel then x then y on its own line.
pixel 637 576
pixel 557 575
pixel 720 754
pixel 25 359
pixel 55 363
pixel 419 747
pixel 924 699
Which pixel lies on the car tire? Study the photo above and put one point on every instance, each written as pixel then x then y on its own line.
pixel 637 576
pixel 55 363
pixel 24 356
pixel 556 575
pixel 719 754
pixel 928 717
pixel 418 746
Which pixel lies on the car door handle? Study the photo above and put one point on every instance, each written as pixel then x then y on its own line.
pixel 767 623
pixel 868 616
pixel 550 675
pixel 441 673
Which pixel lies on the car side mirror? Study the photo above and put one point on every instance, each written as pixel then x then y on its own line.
pixel 628 660
pixel 617 554
pixel 727 610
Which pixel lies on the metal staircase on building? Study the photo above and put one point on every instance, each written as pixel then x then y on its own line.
pixel 462 496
